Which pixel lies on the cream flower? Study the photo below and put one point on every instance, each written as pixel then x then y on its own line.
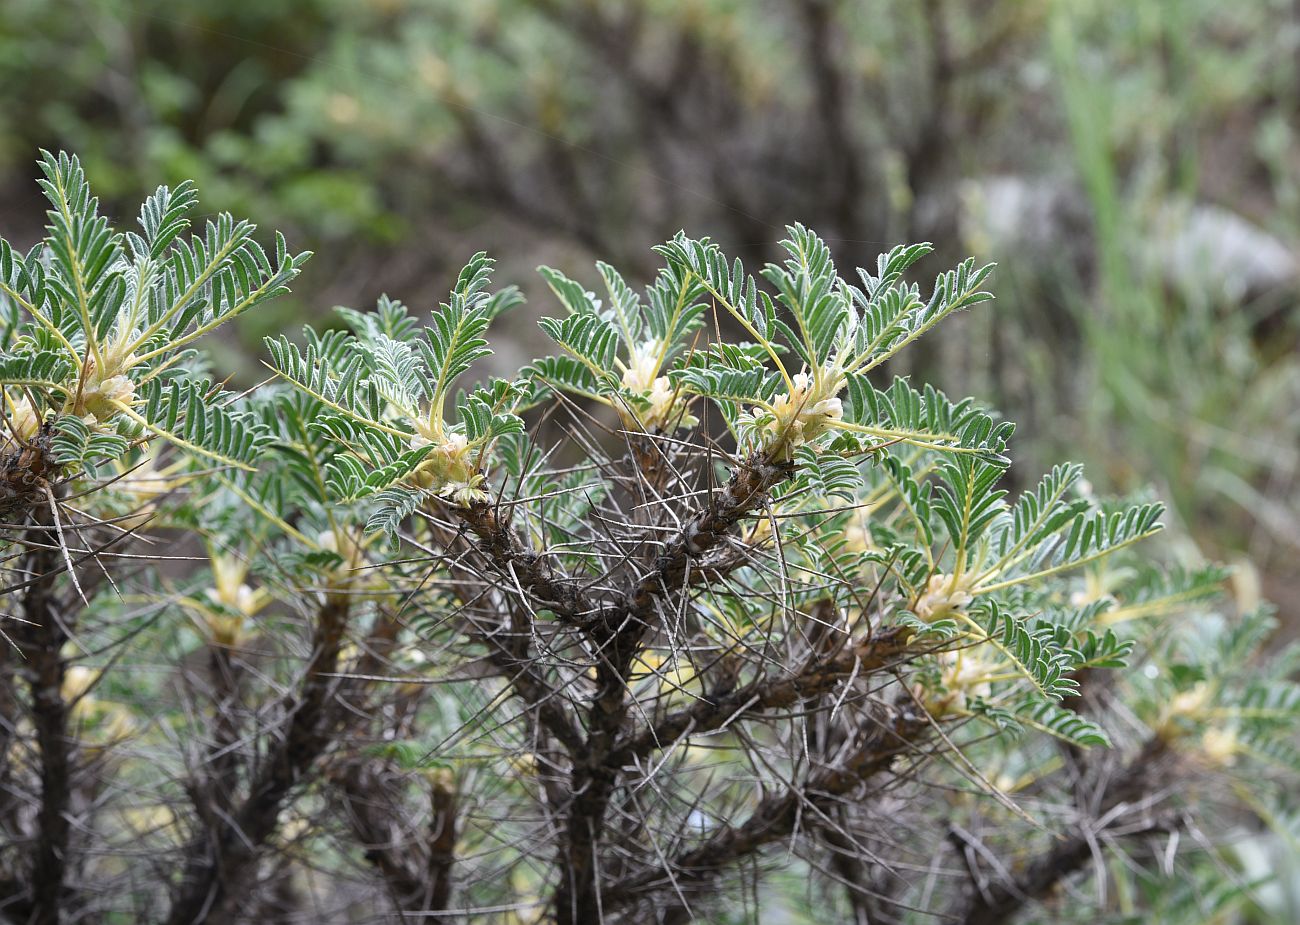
pixel 943 596
pixel 23 421
pixel 448 470
pixel 963 675
pixel 807 411
pixel 352 552
pixel 230 589
pixel 77 682
pixel 143 485
pixel 235 600
pixel 110 723
pixel 662 408
pixel 1220 747
pixel 639 376
pixel 104 386
pixel 1190 702
pixel 857 533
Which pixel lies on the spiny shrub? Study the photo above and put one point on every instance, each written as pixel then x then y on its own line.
pixel 673 625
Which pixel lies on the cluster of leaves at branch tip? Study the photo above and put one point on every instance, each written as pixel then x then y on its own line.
pixel 652 404
pixel 96 324
pixel 963 676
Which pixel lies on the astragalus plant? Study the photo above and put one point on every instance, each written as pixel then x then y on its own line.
pixel 671 626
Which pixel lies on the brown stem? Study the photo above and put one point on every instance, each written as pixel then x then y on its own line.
pixel 617 637
pixel 766 693
pixel 748 488
pixel 9 823
pixel 515 561
pixel 849 867
pixel 371 805
pixel 776 817
pixel 442 841
pixel 219 861
pixel 616 632
pixel 508 643
pixel 511 657
pixel 223 759
pixel 1001 902
pixel 497 183
pixel 843 167
pixel 40 640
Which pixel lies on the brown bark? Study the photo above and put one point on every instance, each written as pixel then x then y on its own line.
pixel 220 859
pixel 618 637
pixel 515 561
pixel 776 817
pixel 40 640
pixel 767 693
pixel 1002 902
